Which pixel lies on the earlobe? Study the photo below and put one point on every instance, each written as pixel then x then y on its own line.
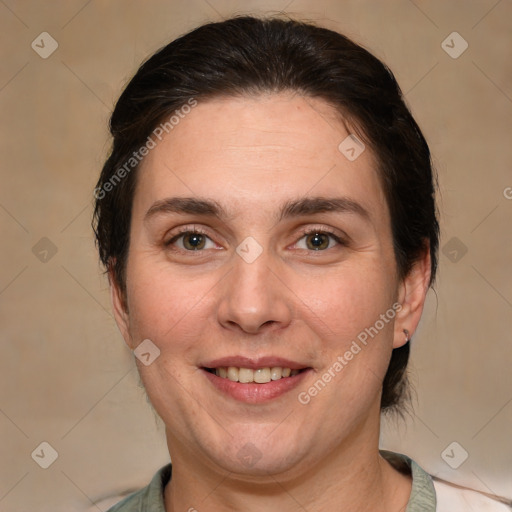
pixel 119 307
pixel 412 294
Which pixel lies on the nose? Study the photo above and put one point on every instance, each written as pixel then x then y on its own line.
pixel 254 297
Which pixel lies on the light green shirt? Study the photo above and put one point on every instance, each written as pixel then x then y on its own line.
pixel 151 498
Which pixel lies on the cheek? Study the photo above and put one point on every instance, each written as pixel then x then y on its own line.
pixel 165 304
pixel 348 301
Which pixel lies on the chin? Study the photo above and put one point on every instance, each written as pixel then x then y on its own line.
pixel 253 456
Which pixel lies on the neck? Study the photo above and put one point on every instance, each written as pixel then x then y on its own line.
pixel 352 477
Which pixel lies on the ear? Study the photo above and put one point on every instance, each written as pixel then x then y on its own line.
pixel 119 306
pixel 412 292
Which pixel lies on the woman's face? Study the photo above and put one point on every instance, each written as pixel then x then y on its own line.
pixel 252 291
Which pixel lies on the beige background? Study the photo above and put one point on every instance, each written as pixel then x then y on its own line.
pixel 67 377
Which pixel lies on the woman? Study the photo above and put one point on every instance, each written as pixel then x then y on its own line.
pixel 267 219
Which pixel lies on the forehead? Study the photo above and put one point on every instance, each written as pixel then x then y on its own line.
pixel 256 152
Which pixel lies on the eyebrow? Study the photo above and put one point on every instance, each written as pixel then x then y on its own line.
pixel 291 208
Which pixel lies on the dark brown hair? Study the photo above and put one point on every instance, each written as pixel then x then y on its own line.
pixel 246 56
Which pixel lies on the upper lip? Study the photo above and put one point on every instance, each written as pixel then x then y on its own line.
pixel 254 364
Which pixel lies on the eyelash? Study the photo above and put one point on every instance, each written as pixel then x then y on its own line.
pixel 305 232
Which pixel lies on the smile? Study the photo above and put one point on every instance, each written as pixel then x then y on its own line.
pixel 255 385
pixel 248 375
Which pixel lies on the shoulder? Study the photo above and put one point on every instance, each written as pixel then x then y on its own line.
pixel 132 503
pixel 435 494
pixel 148 499
pixel 452 497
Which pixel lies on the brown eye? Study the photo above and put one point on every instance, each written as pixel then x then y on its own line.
pixel 194 241
pixel 317 241
pixel 190 241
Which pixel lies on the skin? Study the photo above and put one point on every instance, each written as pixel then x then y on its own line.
pixel 251 155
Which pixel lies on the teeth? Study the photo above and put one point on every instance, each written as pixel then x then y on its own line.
pixel 262 375
pixel 247 375
pixel 276 373
pixel 232 374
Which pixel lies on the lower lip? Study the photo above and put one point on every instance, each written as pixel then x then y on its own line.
pixel 253 393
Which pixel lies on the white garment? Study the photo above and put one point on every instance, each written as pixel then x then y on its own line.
pixel 452 498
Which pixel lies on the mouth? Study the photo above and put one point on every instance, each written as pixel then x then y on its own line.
pixel 262 375
pixel 255 381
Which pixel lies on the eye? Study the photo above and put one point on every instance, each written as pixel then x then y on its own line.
pixel 191 240
pixel 316 239
pixel 320 240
